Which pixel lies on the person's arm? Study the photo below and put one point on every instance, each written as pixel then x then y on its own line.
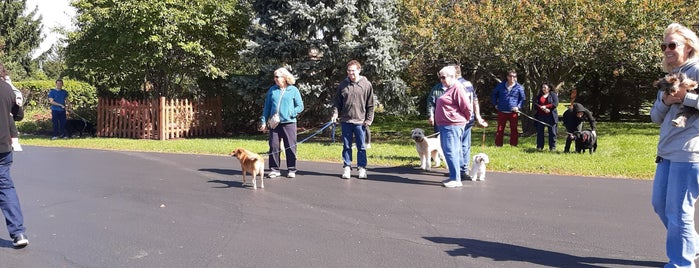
pixel 591 120
pixel 369 117
pixel 298 102
pixel 660 107
pixel 17 113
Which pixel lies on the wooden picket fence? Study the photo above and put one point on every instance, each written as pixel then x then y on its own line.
pixel 158 118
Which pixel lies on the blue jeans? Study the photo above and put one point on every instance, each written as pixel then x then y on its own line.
pixel 553 129
pixel 675 190
pixel 9 202
pixel 450 137
pixel 348 131
pixel 58 118
pixel 466 147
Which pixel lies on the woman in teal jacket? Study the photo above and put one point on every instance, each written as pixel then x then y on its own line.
pixel 285 100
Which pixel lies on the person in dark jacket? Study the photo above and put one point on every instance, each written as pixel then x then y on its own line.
pixel 546 102
pixel 507 98
pixel 9 202
pixel 354 107
pixel 573 119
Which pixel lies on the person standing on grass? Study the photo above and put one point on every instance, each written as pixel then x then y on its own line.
pixel 9 202
pixel 507 98
pixel 285 99
pixel 58 98
pixel 453 111
pixel 354 106
pixel 546 102
pixel 676 181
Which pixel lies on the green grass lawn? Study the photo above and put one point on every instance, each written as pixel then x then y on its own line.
pixel 625 150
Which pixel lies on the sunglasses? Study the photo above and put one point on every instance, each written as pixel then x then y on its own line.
pixel 671 45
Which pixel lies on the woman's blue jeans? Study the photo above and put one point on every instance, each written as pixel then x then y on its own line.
pixel 675 190
pixel 450 138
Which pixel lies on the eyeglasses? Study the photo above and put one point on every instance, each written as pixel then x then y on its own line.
pixel 515 76
pixel 671 45
pixel 442 77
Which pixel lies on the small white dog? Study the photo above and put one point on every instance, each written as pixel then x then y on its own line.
pixel 478 167
pixel 427 149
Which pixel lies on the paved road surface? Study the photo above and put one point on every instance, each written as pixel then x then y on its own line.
pixel 93 208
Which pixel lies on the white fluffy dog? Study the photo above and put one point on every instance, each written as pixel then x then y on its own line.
pixel 478 167
pixel 427 149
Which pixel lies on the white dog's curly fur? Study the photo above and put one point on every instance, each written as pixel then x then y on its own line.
pixel 427 149
pixel 478 167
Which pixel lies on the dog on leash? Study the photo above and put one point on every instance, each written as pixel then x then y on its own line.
pixel 673 83
pixel 480 160
pixel 80 126
pixel 251 163
pixel 585 140
pixel 427 149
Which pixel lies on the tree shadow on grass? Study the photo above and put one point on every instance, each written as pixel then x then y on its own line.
pixel 507 252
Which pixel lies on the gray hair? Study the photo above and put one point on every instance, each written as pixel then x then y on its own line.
pixel 448 71
pixel 290 79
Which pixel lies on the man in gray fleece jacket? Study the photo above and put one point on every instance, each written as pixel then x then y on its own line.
pixel 354 104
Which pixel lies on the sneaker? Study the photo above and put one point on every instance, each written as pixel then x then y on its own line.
pixel 453 184
pixel 346 172
pixel 291 175
pixel 20 241
pixel 362 173
pixel 274 174
pixel 368 145
pixel 465 176
pixel 54 138
pixel 15 145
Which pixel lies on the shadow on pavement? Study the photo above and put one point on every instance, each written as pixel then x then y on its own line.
pixel 404 174
pixel 506 252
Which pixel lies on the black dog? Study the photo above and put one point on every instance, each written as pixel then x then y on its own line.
pixel 585 140
pixel 80 126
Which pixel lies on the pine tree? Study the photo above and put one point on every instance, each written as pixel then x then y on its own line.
pixel 19 35
pixel 316 39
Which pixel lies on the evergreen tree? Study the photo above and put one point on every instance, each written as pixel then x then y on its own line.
pixel 316 39
pixel 19 35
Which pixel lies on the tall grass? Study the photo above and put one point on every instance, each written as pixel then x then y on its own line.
pixel 625 150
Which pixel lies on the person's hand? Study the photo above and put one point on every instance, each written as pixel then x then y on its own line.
pixel 515 109
pixel 431 121
pixel 333 118
pixel 263 127
pixel 669 99
pixel 594 133
pixel 482 122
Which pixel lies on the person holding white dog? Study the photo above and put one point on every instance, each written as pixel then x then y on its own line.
pixel 676 181
pixel 453 111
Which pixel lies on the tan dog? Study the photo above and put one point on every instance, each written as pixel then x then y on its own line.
pixel 251 163
pixel 673 83
pixel 428 149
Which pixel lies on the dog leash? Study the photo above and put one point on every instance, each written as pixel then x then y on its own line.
pixel 302 141
pixel 532 118
pixel 483 143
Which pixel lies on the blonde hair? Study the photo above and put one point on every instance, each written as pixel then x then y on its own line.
pixel 290 79
pixel 690 38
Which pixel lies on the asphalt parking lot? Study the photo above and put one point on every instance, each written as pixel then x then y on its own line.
pixel 95 208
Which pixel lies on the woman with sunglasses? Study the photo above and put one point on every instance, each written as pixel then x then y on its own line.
pixel 452 113
pixel 676 182
pixel 283 101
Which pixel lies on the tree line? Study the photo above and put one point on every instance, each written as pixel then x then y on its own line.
pixel 607 51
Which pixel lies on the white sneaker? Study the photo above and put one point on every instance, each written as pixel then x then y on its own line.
pixel 362 173
pixel 274 174
pixel 368 145
pixel 15 145
pixel 346 172
pixel 453 184
pixel 291 175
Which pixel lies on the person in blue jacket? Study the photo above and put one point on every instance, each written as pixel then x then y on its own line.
pixel 284 99
pixel 507 98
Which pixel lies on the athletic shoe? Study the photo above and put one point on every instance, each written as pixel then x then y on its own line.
pixel 368 145
pixel 346 172
pixel 453 184
pixel 274 174
pixel 291 175
pixel 362 173
pixel 20 241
